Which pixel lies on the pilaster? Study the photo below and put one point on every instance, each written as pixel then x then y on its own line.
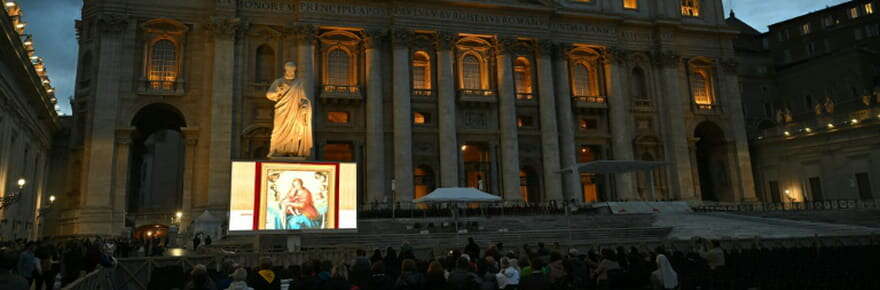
pixel 619 116
pixel 549 130
pixel 507 121
pixel 677 137
pixel 570 181
pixel 403 164
pixel 446 110
pixel 375 161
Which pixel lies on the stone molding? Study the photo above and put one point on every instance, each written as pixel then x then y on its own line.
pixel 226 27
pixel 445 40
pixel 112 22
pixel 373 38
pixel 401 37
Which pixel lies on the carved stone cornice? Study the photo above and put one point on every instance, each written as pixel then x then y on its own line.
pixel 546 47
pixel 225 27
pixel 374 37
pixel 112 22
pixel 445 40
pixel 401 37
pixel 305 32
pixel 615 55
pixel 505 45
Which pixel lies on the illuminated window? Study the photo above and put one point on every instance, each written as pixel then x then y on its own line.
pixel 525 121
pixel 853 12
pixel 869 8
pixel 805 29
pixel 265 65
pixel 587 124
pixel 581 83
pixel 631 4
pixel 338 117
pixel 338 67
pixel 420 118
pixel 163 65
pixel 701 86
pixel 690 7
pixel 421 71
pixel 523 76
pixel 338 151
pixel 471 72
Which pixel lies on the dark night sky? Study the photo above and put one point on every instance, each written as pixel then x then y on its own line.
pixel 52 24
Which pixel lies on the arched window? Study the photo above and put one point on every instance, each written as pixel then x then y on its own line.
pixel 690 7
pixel 639 84
pixel 265 66
pixel 523 78
pixel 701 86
pixel 421 71
pixel 163 65
pixel 338 66
pixel 581 80
pixel 471 72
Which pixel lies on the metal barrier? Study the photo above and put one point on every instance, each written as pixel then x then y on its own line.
pixel 408 209
pixel 839 204
pixel 99 279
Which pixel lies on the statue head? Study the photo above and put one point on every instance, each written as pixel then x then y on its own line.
pixel 290 70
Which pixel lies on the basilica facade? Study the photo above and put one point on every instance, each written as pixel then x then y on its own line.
pixel 497 95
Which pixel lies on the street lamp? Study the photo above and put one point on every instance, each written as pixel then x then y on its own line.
pixel 11 198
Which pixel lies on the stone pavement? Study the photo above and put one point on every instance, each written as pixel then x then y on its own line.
pixel 725 225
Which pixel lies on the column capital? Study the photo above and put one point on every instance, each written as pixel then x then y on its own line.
pixel 307 32
pixel 547 47
pixel 402 37
pixel 505 44
pixel 374 37
pixel 615 55
pixel 445 40
pixel 225 27
pixel 113 22
pixel 665 58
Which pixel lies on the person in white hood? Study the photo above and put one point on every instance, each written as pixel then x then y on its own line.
pixel 238 280
pixel 665 276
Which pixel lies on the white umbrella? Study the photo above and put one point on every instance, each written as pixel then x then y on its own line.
pixel 457 195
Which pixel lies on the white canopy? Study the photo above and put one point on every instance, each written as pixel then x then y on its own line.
pixel 614 166
pixel 458 194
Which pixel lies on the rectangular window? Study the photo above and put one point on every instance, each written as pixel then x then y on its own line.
pixel 525 122
pixel 338 151
pixel 587 124
pixel 690 8
pixel 631 4
pixel 853 13
pixel 774 191
pixel 816 188
pixel 864 184
pixel 805 29
pixel 421 118
pixel 828 20
pixel 869 9
pixel 419 77
pixel 338 117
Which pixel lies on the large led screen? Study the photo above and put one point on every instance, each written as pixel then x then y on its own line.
pixel 275 196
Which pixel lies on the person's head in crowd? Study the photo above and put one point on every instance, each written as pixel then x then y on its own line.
pixel 466 257
pixel 471 240
pixel 462 263
pixel 540 245
pixel 390 253
pixel 265 263
pixel 555 256
pixel 608 254
pixel 361 252
pixel 377 254
pixel 8 260
pixel 340 271
pixel 199 274
pixel 435 267
pixel 491 265
pixel 326 266
pixel 378 268
pixel 239 274
pixel 408 265
pixel 228 266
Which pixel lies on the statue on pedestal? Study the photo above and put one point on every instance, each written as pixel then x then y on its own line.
pixel 292 131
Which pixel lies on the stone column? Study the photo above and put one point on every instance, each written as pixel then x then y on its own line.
pixel 120 191
pixel 375 129
pixel 507 121
pixel 549 130
pixel 446 110
pixel 619 116
pixel 570 181
pixel 220 153
pixel 677 146
pixel 403 163
pixel 733 106
pixel 95 216
pixel 191 138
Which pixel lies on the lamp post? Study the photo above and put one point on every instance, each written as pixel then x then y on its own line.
pixel 10 199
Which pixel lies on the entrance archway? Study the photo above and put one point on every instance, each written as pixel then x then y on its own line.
pixel 150 231
pixel 156 160
pixel 711 156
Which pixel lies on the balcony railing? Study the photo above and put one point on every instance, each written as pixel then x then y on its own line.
pixel 341 93
pixel 590 102
pixel 642 103
pixel 160 87
pixel 477 96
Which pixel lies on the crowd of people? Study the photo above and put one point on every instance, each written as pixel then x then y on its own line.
pixel 702 264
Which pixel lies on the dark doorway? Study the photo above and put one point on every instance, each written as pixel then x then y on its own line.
pixel 528 185
pixel 711 163
pixel 156 160
pixel 864 184
pixel 816 189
